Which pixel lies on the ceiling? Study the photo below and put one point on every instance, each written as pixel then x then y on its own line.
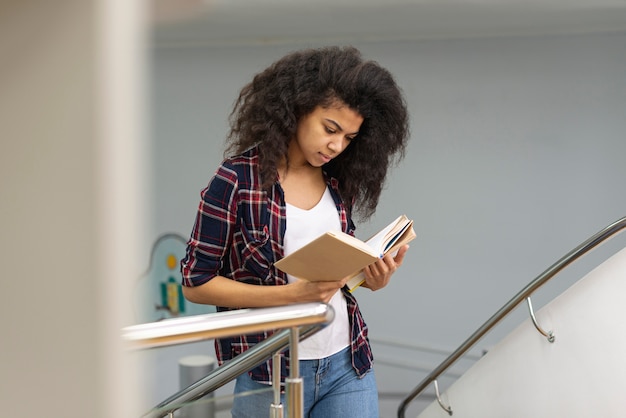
pixel 232 22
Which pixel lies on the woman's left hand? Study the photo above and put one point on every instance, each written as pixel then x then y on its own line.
pixel 378 274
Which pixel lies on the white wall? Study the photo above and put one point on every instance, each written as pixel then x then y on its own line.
pixel 516 157
pixel 581 374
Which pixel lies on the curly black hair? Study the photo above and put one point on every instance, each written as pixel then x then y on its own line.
pixel 268 109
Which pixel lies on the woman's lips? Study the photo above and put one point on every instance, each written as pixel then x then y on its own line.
pixel 325 157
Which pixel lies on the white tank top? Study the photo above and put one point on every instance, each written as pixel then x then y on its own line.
pixel 304 226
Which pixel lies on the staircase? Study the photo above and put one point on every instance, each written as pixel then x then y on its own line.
pixel 568 360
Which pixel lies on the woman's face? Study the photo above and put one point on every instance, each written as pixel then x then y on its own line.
pixel 323 134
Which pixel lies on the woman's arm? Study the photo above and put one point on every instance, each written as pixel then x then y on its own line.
pixel 221 291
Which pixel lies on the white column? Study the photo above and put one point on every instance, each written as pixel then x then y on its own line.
pixel 69 184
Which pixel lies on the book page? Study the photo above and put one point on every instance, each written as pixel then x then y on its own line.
pixel 383 239
pixel 399 233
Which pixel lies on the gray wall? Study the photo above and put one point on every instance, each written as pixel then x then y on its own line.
pixel 516 157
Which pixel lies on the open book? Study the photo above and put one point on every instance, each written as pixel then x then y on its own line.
pixel 335 254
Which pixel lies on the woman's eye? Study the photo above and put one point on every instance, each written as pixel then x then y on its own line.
pixel 329 130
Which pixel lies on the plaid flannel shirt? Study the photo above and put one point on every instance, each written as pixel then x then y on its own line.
pixel 238 233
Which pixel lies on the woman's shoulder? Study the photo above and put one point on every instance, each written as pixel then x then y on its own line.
pixel 244 167
pixel 250 157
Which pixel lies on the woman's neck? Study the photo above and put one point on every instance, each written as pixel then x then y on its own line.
pixel 303 185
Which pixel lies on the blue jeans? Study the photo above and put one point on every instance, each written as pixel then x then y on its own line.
pixel 331 389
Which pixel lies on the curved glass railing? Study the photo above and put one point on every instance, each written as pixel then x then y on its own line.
pixel 524 295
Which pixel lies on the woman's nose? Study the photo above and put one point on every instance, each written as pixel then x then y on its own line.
pixel 336 144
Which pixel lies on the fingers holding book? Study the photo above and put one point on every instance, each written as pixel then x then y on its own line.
pixel 307 291
pixel 378 274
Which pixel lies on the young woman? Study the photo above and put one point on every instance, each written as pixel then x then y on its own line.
pixel 311 140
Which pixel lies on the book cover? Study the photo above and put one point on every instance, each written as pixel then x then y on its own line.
pixel 335 254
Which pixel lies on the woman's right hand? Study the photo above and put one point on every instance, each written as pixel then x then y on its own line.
pixel 306 291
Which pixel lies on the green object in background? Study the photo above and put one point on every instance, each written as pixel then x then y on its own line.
pixel 172 296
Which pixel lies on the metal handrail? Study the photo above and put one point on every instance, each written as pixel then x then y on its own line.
pixel 307 319
pixel 225 324
pixel 572 256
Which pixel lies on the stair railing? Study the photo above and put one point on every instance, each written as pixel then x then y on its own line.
pixel 603 235
pixel 294 322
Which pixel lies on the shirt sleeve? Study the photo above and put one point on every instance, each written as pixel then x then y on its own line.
pixel 212 233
